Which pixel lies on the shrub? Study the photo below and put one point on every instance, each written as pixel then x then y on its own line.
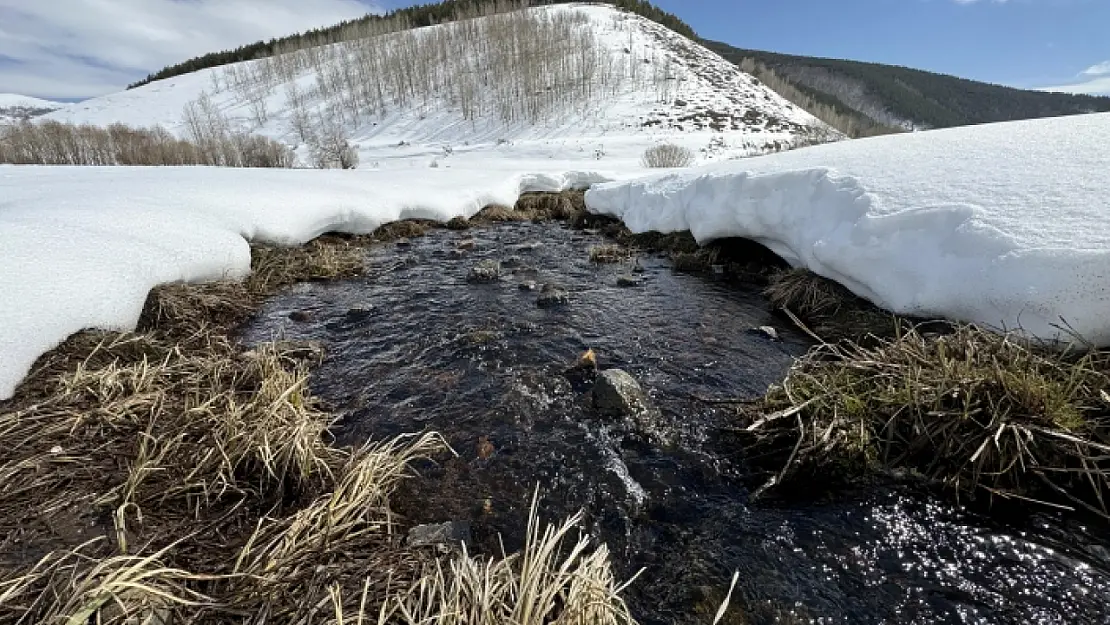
pixel 667 155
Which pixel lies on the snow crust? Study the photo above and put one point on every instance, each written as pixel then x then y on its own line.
pixel 1006 225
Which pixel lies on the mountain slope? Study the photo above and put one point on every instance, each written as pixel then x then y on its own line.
pixel 15 107
pixel 571 77
pixel 909 98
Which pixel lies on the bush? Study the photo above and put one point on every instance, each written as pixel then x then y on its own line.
pixel 667 155
pixel 56 143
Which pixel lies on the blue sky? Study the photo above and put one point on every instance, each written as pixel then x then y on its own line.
pixel 1024 43
pixel 81 48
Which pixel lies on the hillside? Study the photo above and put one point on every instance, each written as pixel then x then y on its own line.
pixel 416 16
pixel 874 94
pixel 569 81
pixel 19 107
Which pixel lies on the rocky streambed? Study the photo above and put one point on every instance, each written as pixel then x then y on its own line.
pixel 485 335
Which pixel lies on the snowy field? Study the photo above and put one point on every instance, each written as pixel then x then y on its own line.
pixel 1003 225
pixel 1000 224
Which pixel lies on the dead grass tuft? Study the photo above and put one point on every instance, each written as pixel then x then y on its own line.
pixel 555 580
pixel 563 206
pixel 405 229
pixel 977 411
pixel 608 254
pixel 828 310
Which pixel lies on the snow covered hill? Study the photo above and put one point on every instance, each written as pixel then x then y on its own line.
pixel 574 81
pixel 18 107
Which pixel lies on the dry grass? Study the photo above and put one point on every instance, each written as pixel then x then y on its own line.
pixel 830 311
pixel 405 229
pixel 977 411
pixel 170 476
pixel 563 206
pixel 556 579
pixel 667 155
pixel 608 254
pixel 695 262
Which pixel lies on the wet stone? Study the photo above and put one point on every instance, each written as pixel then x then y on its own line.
pixel 301 316
pixel 617 393
pixel 512 262
pixel 528 285
pixel 485 272
pixel 767 331
pixel 449 534
pixel 467 244
pixel 356 315
pixel 628 281
pixel 552 295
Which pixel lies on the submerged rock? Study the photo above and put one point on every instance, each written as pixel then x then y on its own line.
pixel 528 285
pixel 467 244
pixel 485 271
pixel 616 393
pixel 513 261
pixel 628 281
pixel 301 316
pixel 449 534
pixel 768 332
pixel 552 295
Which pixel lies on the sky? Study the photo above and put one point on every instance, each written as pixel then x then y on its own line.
pixel 72 49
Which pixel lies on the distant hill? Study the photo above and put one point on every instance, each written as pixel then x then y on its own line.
pixel 19 107
pixel 857 98
pixel 876 97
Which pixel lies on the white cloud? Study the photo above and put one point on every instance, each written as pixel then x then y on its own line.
pixel 1099 69
pixel 1095 80
pixel 82 48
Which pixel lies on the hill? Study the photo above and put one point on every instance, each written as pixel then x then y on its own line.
pixel 15 107
pixel 567 81
pixel 875 97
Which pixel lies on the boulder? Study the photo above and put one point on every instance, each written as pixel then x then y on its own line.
pixel 616 393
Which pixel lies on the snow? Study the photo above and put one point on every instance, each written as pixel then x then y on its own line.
pixel 18 107
pixel 703 88
pixel 11 100
pixel 1004 225
pixel 82 246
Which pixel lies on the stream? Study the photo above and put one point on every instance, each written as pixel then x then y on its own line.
pixel 414 346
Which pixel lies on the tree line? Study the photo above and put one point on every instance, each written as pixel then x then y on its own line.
pixel 927 99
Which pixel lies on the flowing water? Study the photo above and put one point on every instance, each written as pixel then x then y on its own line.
pixel 415 346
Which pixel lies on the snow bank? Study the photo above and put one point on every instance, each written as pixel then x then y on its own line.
pixel 1006 225
pixel 82 247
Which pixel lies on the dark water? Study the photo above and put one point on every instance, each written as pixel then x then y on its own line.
pixel 413 346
